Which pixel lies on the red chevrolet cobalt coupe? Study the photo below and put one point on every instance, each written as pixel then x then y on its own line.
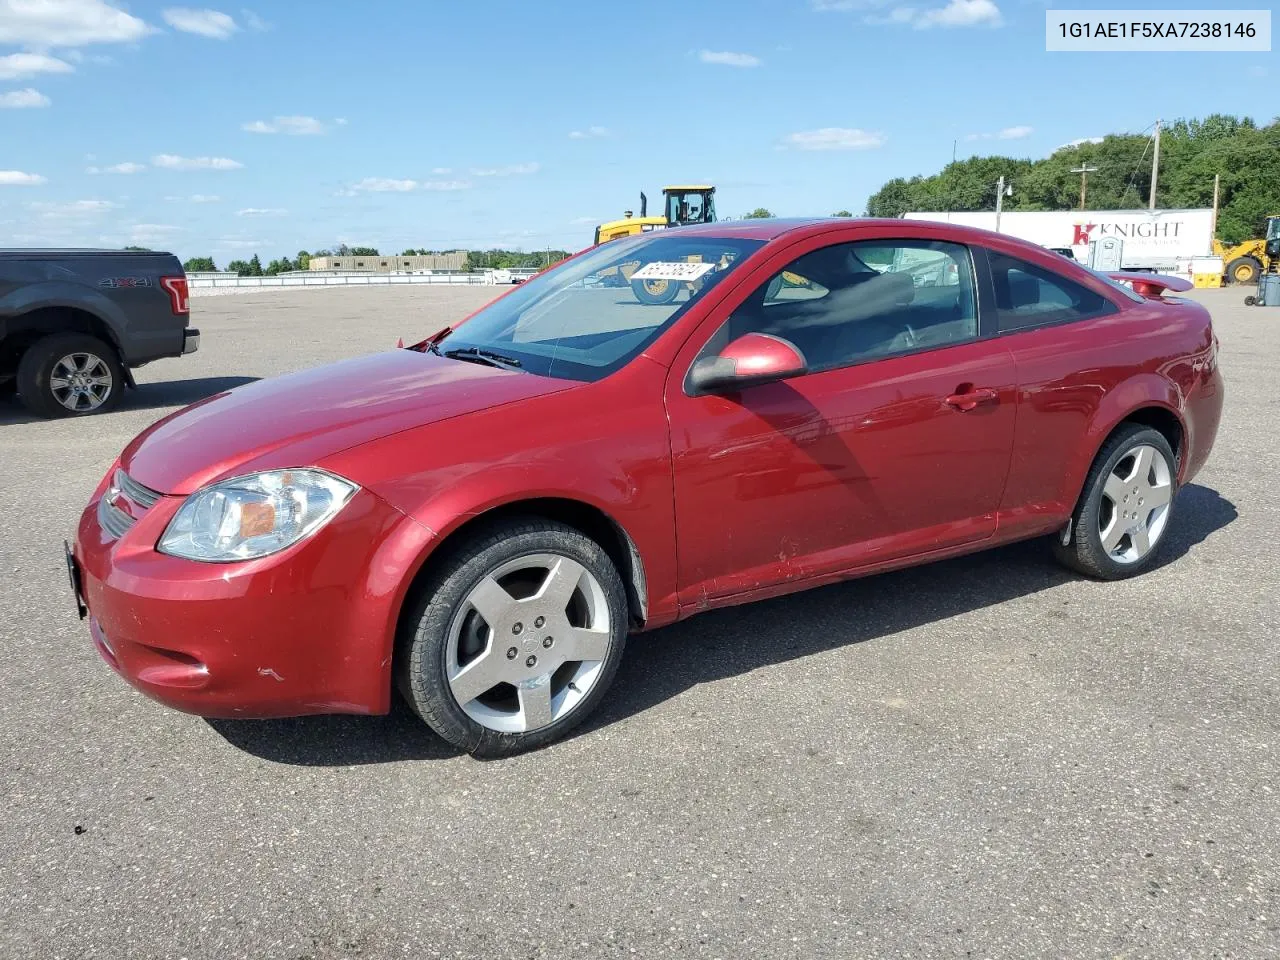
pixel 660 425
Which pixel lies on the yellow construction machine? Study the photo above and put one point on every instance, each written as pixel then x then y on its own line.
pixel 682 205
pixel 1246 262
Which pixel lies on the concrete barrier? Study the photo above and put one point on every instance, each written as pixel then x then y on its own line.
pixel 197 281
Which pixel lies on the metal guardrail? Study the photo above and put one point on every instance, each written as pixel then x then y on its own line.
pixel 198 282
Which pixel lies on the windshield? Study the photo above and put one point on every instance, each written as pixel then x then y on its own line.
pixel 590 316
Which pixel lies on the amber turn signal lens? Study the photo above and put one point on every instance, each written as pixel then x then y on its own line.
pixel 256 519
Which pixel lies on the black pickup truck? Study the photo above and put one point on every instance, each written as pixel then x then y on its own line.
pixel 73 323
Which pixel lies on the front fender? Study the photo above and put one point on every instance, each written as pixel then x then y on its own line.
pixel 604 446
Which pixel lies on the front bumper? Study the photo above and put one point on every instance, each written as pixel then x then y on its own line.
pixel 190 340
pixel 308 630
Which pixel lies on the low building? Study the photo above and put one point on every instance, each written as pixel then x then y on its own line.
pixel 455 260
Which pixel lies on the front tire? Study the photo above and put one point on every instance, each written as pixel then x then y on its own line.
pixel 516 638
pixel 70 375
pixel 1244 270
pixel 1125 508
pixel 655 292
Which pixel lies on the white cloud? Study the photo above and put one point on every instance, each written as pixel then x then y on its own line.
pixel 955 13
pixel 16 178
pixel 727 58
pixel 239 243
pixel 261 212
pixel 386 185
pixel 591 133
pixel 441 171
pixel 254 22
pixel 72 209
pixel 126 167
pixel 583 221
pixel 1078 143
pixel 835 138
pixel 959 13
pixel 296 126
pixel 195 198
pixel 21 99
pixel 1008 133
pixel 389 185
pixel 17 65
pixel 145 233
pixel 340 122
pixel 513 170
pixel 206 23
pixel 67 23
pixel 171 161
pixel 1015 133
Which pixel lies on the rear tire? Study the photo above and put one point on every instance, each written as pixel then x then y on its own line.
pixel 70 375
pixel 1126 506
pixel 497 592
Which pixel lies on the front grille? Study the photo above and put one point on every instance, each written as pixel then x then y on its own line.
pixel 131 488
pixel 123 504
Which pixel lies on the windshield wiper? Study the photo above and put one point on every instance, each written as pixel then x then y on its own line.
pixel 480 355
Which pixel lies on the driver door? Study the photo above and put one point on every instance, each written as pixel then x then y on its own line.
pixel 867 458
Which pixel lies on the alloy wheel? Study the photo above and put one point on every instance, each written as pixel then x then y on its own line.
pixel 1135 504
pixel 81 382
pixel 528 643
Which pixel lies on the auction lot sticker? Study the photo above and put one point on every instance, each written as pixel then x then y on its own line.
pixel 680 270
pixel 1155 31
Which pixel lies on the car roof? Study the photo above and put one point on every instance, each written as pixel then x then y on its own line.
pixel 798 227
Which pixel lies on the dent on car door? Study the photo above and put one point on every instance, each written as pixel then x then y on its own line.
pixel 895 443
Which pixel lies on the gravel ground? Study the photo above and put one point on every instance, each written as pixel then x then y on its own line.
pixel 983 758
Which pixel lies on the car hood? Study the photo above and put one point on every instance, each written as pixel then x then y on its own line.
pixel 298 419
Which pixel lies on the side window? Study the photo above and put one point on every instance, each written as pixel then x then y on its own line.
pixel 858 301
pixel 1031 296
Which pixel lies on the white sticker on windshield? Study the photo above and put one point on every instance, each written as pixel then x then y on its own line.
pixel 681 270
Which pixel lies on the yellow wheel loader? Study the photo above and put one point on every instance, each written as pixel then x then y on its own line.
pixel 1246 262
pixel 682 205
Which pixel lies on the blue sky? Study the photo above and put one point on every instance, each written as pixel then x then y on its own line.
pixel 395 123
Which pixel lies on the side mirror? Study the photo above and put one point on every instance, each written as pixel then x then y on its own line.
pixel 752 359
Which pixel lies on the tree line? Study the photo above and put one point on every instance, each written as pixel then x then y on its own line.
pixel 476 260
pixel 1245 156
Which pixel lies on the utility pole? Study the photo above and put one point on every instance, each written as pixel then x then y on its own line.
pixel 954 144
pixel 1084 170
pixel 1001 192
pixel 1155 168
pixel 1213 229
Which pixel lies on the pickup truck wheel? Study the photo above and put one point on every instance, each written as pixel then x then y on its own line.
pixel 70 375
pixel 515 639
pixel 1125 509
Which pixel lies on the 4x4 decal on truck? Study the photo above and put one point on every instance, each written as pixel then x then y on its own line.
pixel 125 282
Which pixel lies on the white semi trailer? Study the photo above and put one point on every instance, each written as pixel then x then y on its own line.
pixel 1160 240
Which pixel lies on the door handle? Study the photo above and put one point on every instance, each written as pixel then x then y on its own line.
pixel 971 398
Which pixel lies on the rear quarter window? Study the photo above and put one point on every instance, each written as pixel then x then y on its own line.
pixel 1029 296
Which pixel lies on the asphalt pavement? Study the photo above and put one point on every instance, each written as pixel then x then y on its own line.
pixel 986 758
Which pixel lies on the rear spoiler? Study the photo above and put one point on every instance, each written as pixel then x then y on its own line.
pixel 1151 284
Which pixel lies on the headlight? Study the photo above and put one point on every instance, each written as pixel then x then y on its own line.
pixel 254 516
